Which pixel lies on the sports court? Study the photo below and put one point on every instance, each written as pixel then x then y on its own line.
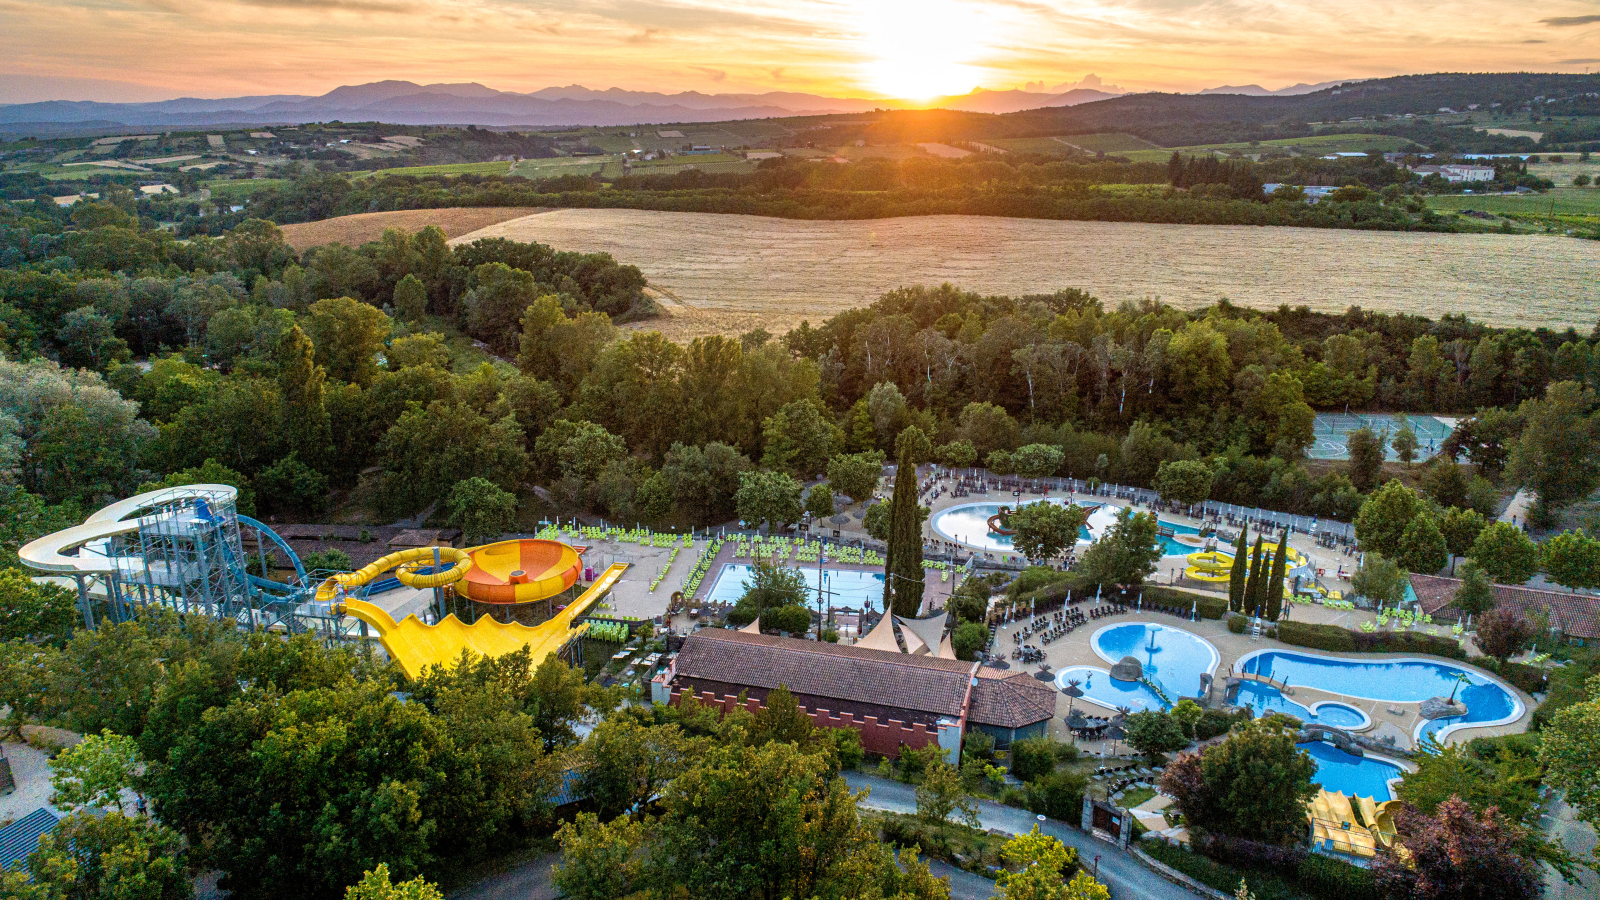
pixel 1330 429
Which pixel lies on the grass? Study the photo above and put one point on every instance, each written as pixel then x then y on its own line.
pixel 1562 201
pixel 481 168
pixel 1135 797
pixel 243 187
pixel 559 165
pixel 1060 146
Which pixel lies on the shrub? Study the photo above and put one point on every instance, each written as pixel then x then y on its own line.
pixel 1216 722
pixel 1035 577
pixel 1238 624
pixel 1317 637
pixel 1407 642
pixel 1209 607
pixel 1058 795
pixel 1032 757
pixel 1322 877
pixel 1530 679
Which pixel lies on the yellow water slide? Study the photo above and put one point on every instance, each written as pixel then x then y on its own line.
pixel 416 646
pixel 405 563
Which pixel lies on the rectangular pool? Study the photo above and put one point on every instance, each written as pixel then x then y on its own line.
pixel 843 587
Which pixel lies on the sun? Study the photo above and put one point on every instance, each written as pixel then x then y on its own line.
pixel 920 49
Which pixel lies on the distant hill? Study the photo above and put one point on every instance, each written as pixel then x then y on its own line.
pixel 1256 90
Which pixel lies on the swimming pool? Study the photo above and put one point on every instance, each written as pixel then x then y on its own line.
pixel 1353 776
pixel 847 586
pixel 1262 699
pixel 969 524
pixel 1171 657
pixel 1394 681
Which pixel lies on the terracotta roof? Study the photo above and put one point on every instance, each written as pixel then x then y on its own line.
pixel 922 683
pixel 1011 701
pixel 1577 615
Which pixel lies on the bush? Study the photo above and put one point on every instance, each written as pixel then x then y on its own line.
pixel 1408 642
pixel 1209 607
pixel 1322 877
pixel 1530 679
pixel 1317 637
pixel 1058 795
pixel 1033 757
pixel 1216 722
pixel 1238 624
pixel 1035 577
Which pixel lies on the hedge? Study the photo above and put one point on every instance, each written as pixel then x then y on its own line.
pixel 1210 607
pixel 1317 637
pixel 1530 679
pixel 1332 637
pixel 1322 877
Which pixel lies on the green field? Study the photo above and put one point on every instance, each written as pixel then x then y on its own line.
pixel 243 187
pixel 1563 201
pixel 551 167
pixel 481 168
pixel 1091 143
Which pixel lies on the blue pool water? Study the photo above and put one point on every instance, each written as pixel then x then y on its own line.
pixel 1353 776
pixel 848 587
pixel 1263 699
pixel 969 524
pixel 1393 681
pixel 1171 657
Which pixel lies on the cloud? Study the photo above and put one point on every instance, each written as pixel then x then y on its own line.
pixel 388 6
pixel 1535 42
pixel 1569 21
pixel 645 36
pixel 713 74
pixel 1578 62
pixel 777 74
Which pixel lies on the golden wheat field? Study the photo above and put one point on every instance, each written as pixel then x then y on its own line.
pixel 728 274
pixel 363 227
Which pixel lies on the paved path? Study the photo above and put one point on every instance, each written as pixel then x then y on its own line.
pixel 528 880
pixel 1517 510
pixel 1124 875
pixel 1561 822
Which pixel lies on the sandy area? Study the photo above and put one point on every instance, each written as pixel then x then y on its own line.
pixel 363 227
pixel 728 274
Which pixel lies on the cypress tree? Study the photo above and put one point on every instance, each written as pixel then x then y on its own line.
pixel 1239 573
pixel 306 425
pixel 1252 588
pixel 902 589
pixel 1275 585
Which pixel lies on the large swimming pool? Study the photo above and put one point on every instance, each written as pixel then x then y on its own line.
pixel 969 524
pixel 1171 657
pixel 1394 681
pixel 847 587
pixel 1262 699
pixel 1353 776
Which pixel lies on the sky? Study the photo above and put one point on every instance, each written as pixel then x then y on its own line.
pixel 130 50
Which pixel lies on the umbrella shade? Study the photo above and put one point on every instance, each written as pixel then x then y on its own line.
pixel 1072 691
pixel 1116 732
pixel 1076 721
pixel 998 664
pixel 1044 676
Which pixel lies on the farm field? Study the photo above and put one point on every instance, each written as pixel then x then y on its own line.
pixel 551 167
pixel 480 168
pixel 1110 143
pixel 363 227
pixel 242 187
pixel 1576 206
pixel 729 274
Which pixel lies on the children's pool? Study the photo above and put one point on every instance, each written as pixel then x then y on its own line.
pixel 1263 698
pixel 969 524
pixel 1353 776
pixel 1394 681
pixel 1172 658
pixel 845 587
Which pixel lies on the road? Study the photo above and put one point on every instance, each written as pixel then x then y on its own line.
pixel 1118 870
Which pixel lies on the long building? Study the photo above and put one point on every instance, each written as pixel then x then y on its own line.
pixel 894 700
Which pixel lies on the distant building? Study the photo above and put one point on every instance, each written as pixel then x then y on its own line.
pixel 1313 192
pixel 1455 173
pixel 700 150
pixel 1574 618
pixel 892 699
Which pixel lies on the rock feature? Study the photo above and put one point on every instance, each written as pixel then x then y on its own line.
pixel 1127 669
pixel 1440 708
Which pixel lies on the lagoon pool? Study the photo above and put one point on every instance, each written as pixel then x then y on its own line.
pixel 1262 699
pixel 969 524
pixel 847 586
pixel 1394 681
pixel 1353 776
pixel 1171 657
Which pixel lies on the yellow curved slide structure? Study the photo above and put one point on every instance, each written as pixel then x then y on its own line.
pixel 416 646
pixel 407 561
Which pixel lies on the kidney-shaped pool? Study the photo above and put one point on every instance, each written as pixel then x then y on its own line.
pixel 1170 657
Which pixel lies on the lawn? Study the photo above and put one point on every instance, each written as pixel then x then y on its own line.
pixel 1563 201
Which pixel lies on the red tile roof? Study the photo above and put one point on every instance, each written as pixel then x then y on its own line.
pixel 1576 615
pixel 1011 701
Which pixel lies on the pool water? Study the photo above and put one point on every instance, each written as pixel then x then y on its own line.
pixel 1394 681
pixel 969 524
pixel 1262 699
pixel 1171 657
pixel 1353 776
pixel 847 587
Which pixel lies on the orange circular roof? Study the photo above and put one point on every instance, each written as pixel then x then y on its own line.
pixel 520 571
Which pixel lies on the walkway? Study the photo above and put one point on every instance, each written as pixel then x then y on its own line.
pixel 1125 876
pixel 1517 510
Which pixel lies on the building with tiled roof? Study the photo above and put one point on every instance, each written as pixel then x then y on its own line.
pixel 893 699
pixel 1576 617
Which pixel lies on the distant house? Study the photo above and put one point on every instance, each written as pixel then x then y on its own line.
pixel 1575 618
pixel 1455 173
pixel 700 150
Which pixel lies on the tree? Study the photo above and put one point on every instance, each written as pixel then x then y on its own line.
pixel 1405 442
pixel 1036 460
pixel 914 441
pixel 411 299
pixel 1461 528
pixel 94 772
pixel 89 857
pixel 941 795
pixel 968 639
pixel 770 497
pixel 1252 785
pixel 210 472
pixel 1379 579
pixel 1188 714
pixel 600 860
pixel 1032 758
pixel 1555 454
pixel 481 510
pixel 376 884
pixel 32 611
pixel 819 501
pixel 1152 732
pixel 798 439
pixel 1475 595
pixel 1572 559
pixel 856 474
pixel 1126 553
pixel 307 427
pixel 1042 862
pixel 1422 546
pixel 1381 524
pixel 903 586
pixel 290 485
pixel 1185 481
pixel 1455 855
pixel 1238 574
pixel 1047 530
pixel 1569 749
pixel 75 437
pixel 623 764
pixel 1253 595
pixel 1366 451
pixel 348 335
pixel 1280 564
pixel 1503 633
pixel 1506 553
pixel 704 480
pixel 957 454
pixel 88 340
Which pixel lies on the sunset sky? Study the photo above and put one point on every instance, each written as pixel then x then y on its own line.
pixel 147 49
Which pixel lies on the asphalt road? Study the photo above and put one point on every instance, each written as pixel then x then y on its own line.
pixel 1126 877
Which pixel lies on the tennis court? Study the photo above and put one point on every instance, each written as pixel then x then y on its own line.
pixel 1330 430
